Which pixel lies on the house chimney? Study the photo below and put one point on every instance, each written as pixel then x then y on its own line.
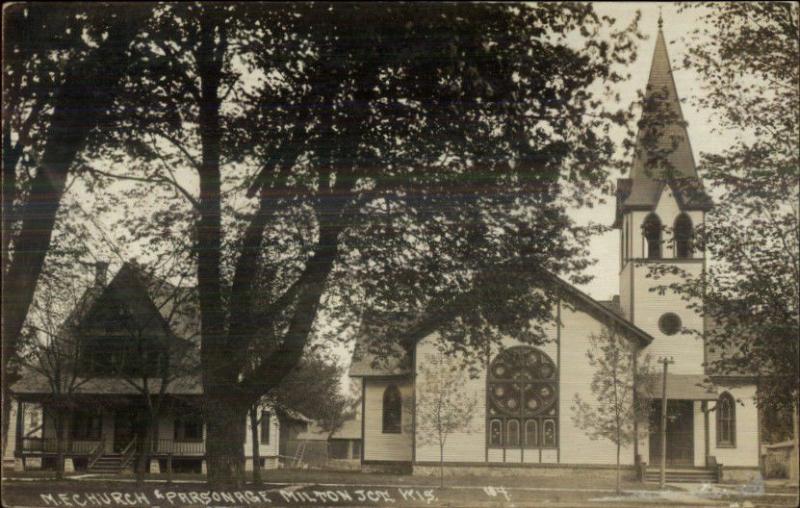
pixel 100 271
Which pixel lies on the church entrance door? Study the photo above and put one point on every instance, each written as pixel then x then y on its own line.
pixel 680 433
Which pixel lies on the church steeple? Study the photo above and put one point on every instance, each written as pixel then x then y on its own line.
pixel 663 128
pixel 663 153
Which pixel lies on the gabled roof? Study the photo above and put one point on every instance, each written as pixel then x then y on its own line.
pixel 157 304
pixel 377 355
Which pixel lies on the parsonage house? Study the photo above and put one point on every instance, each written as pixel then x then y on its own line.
pixel 524 415
pixel 132 330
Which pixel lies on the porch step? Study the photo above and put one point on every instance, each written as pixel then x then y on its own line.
pixel 109 463
pixel 653 475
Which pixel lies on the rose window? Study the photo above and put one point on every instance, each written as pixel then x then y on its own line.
pixel 522 390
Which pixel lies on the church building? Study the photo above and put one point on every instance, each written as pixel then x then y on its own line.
pixel 525 394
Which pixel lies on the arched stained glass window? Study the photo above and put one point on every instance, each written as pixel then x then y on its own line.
pixel 651 229
pixel 549 433
pixel 726 421
pixel 532 434
pixel 683 236
pixel 512 439
pixel 496 433
pixel 392 410
pixel 522 387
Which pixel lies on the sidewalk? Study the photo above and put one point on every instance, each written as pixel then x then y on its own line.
pixel 90 490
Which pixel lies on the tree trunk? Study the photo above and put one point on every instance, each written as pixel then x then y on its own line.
pixel 85 95
pixel 225 442
pixel 9 378
pixel 60 444
pixel 795 459
pixel 618 485
pixel 256 451
pixel 225 434
pixel 144 447
pixel 441 464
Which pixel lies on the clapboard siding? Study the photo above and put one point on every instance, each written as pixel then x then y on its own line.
pixel 264 450
pixel 11 436
pixel 686 349
pixel 468 445
pixel 576 378
pixel 377 445
pixel 746 451
pixel 699 435
pixel 625 295
pixel 648 305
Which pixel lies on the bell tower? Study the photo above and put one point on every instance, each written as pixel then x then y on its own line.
pixel 659 208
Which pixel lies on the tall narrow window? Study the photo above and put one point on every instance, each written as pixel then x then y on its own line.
pixel 726 421
pixel 683 236
pixel 496 433
pixel 651 229
pixel 513 433
pixel 392 410
pixel 265 422
pixel 549 434
pixel 531 434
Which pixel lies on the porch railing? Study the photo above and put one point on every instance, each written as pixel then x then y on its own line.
pixel 159 446
pixel 168 446
pixel 49 445
pixel 128 453
pixel 97 452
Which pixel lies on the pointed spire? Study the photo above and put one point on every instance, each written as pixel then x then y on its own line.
pixel 660 19
pixel 662 100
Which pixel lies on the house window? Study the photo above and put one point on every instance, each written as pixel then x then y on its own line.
pixel 392 410
pixel 188 428
pixel 651 229
pixel 264 431
pixel 669 323
pixel 683 236
pixel 87 425
pixel 356 448
pixel 726 421
pixel 522 387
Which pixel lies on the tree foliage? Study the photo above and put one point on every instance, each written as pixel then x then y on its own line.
pixel 61 67
pixel 747 57
pixel 352 156
pixel 314 389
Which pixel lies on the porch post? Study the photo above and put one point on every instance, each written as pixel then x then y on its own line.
pixel 663 479
pixel 19 436
pixel 706 432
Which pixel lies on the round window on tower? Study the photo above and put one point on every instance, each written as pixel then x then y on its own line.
pixel 669 323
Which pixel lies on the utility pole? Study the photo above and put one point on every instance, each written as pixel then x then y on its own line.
pixel 663 479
